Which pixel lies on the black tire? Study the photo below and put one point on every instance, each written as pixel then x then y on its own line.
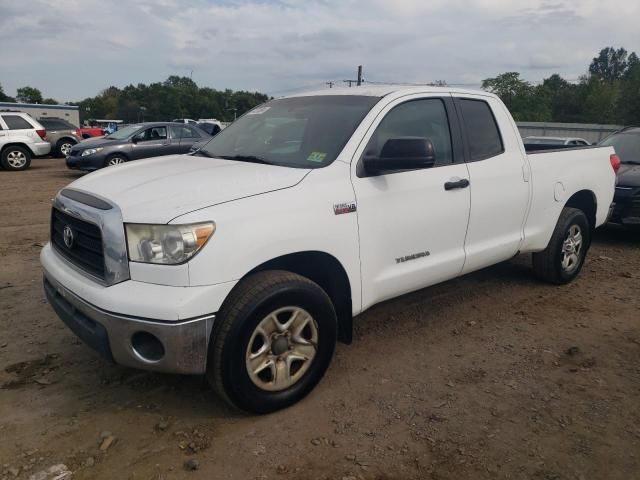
pixel 547 265
pixel 108 161
pixel 61 145
pixel 15 158
pixel 249 303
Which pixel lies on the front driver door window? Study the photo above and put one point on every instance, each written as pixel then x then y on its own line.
pixel 412 230
pixel 151 142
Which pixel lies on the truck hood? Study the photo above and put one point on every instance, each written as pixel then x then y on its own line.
pixel 159 189
pixel 629 175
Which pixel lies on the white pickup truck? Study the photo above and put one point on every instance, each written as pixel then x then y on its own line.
pixel 248 259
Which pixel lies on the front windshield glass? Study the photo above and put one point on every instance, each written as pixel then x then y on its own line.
pixel 125 132
pixel 303 132
pixel 626 145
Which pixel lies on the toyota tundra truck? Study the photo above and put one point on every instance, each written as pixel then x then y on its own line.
pixel 247 260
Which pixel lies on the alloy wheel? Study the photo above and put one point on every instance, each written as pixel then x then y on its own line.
pixel 572 249
pixel 282 348
pixel 16 159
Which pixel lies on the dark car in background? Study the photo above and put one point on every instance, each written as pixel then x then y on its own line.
pixel 135 142
pixel 61 135
pixel 626 143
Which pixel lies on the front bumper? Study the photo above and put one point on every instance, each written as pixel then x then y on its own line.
pixel 88 163
pixel 172 347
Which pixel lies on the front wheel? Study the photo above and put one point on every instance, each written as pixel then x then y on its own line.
pixel 114 160
pixel 272 342
pixel 564 257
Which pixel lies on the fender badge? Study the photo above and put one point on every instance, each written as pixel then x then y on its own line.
pixel 347 207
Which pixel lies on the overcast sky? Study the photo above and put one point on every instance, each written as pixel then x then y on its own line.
pixel 71 49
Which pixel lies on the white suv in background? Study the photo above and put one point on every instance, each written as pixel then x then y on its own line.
pixel 21 138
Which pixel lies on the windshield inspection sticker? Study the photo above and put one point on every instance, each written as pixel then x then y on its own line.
pixel 316 157
pixel 258 111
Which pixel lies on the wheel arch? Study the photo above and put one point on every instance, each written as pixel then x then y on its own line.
pixel 117 153
pixel 67 138
pixel 586 201
pixel 16 144
pixel 325 270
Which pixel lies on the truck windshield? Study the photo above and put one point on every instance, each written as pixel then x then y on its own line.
pixel 626 145
pixel 301 132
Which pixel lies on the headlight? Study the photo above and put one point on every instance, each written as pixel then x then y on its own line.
pixel 166 244
pixel 91 151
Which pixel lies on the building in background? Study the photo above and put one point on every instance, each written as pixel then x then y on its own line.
pixel 70 113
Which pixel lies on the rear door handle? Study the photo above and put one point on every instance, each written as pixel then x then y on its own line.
pixel 453 184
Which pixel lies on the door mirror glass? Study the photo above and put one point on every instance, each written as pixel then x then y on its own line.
pixel 403 153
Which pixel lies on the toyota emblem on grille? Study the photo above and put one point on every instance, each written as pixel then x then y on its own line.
pixel 67 235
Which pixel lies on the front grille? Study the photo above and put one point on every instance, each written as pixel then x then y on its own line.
pixel 86 248
pixel 74 153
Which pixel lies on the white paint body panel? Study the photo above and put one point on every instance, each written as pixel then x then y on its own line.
pixel 500 197
pixel 263 212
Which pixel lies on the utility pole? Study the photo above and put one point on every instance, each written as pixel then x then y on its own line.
pixel 359 80
pixel 330 84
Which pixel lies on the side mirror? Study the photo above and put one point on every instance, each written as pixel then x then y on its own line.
pixel 135 139
pixel 403 153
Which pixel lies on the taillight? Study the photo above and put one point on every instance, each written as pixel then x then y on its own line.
pixel 615 162
pixel 42 133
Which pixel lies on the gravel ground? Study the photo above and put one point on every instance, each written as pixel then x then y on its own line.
pixel 493 375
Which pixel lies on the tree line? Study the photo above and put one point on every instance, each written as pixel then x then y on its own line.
pixel 608 94
pixel 176 97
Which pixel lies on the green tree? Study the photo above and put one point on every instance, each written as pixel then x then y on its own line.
pixel 629 95
pixel 4 97
pixel 176 97
pixel 610 64
pixel 525 102
pixel 29 95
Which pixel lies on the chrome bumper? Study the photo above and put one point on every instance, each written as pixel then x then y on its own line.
pixel 172 347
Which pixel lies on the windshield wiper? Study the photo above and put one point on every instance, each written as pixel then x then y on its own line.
pixel 244 158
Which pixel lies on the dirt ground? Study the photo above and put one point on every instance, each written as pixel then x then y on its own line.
pixel 493 375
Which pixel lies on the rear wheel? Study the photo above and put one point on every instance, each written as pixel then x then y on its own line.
pixel 273 340
pixel 63 147
pixel 113 160
pixel 564 257
pixel 15 158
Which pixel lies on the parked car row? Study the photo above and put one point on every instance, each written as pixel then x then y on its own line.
pixel 22 137
pixel 135 142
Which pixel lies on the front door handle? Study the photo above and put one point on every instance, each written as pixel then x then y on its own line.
pixel 453 184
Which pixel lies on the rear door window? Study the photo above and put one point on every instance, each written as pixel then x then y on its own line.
pixel 483 136
pixel 190 132
pixel 16 122
pixel 176 131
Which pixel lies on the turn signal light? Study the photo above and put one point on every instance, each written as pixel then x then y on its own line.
pixel 615 162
